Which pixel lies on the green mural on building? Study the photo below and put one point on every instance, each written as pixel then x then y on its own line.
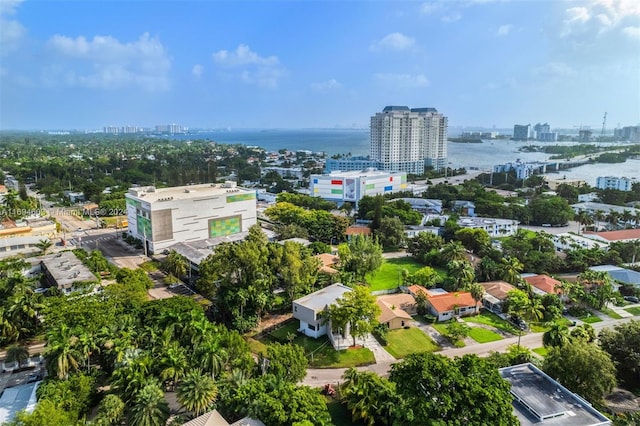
pixel 144 227
pixel 241 197
pixel 225 226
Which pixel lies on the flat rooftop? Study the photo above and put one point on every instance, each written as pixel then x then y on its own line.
pixel 322 298
pixel 362 173
pixel 152 194
pixel 65 268
pixel 16 399
pixel 540 400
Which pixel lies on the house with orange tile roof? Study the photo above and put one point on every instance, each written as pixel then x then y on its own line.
pixel 544 283
pixel 396 310
pixel 495 293
pixel 327 263
pixel 450 305
pixel 357 230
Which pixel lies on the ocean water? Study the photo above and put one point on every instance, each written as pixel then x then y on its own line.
pixel 482 156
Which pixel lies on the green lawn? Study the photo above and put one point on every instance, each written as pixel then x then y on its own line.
pixel 542 351
pixel 489 318
pixel 482 335
pixel 610 312
pixel 590 319
pixel 634 311
pixel 442 329
pixel 405 341
pixel 390 273
pixel 319 351
pixel 541 327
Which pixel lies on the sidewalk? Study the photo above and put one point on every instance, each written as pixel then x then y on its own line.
pixel 379 352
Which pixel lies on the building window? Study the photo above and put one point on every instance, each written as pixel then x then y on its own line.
pixel 312 327
pixel 295 309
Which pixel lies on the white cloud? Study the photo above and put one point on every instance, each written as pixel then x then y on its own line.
pixel 402 80
pixel 326 85
pixel 633 32
pixel 579 14
pixel 106 63
pixel 11 31
pixel 393 41
pixel 430 7
pixel 504 30
pixel 243 55
pixel 197 70
pixel 262 71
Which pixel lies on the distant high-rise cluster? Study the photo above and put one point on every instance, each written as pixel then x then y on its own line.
pixel 408 140
pixel 540 132
pixel 160 128
pixel 628 133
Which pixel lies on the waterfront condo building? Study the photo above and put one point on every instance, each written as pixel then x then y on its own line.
pixel 521 132
pixel 408 140
pixel 619 183
pixel 165 216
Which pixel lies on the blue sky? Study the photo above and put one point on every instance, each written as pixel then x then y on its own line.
pixel 295 64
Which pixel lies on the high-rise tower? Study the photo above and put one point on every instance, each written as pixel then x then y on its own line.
pixel 408 140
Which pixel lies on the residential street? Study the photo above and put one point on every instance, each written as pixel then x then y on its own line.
pixel 320 377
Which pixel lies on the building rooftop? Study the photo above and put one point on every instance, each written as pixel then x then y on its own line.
pixel 65 269
pixel 394 305
pixel 369 173
pixel 320 299
pixel 622 235
pixel 484 221
pixel 449 301
pixel 544 283
pixel 188 192
pixel 17 398
pixel 626 276
pixel 540 400
pixel 497 289
pixel 606 208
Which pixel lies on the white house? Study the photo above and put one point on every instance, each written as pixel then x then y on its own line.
pixel 308 310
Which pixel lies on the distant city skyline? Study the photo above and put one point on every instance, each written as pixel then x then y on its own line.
pixel 317 64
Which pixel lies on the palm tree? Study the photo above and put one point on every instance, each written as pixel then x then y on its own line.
pixel 557 335
pixel 477 292
pixel 510 268
pixel 62 354
pixel 173 363
pixel 44 246
pixel 8 327
pixel 149 407
pixel 197 392
pixel 453 250
pixel 88 345
pixel 626 217
pixel 487 269
pixel 211 357
pixel 17 353
pixel 613 218
pixel 177 264
pixel 461 272
pixel 583 218
pixel 598 216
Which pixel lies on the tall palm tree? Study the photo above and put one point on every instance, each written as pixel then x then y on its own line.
pixel 487 269
pixel 211 357
pixel 197 392
pixel 510 268
pixel 477 291
pixel 598 215
pixel 8 327
pixel 177 264
pixel 613 218
pixel 149 407
pixel 583 219
pixel 62 353
pixel 557 335
pixel 626 217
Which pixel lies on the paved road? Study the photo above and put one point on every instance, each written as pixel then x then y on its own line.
pixel 320 377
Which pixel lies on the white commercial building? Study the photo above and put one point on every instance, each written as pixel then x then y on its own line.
pixel 165 216
pixel 494 227
pixel 408 140
pixel 619 183
pixel 352 186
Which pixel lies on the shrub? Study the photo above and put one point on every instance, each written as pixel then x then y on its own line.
pixel 578 311
pixel 380 333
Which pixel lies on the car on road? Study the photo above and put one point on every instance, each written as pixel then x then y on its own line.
pixel 633 299
pixel 518 322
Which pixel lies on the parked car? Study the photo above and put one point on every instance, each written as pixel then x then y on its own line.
pixel 633 299
pixel 518 322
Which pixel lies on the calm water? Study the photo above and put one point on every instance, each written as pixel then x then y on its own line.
pixel 342 141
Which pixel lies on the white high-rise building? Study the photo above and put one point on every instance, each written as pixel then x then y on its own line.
pixel 408 140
